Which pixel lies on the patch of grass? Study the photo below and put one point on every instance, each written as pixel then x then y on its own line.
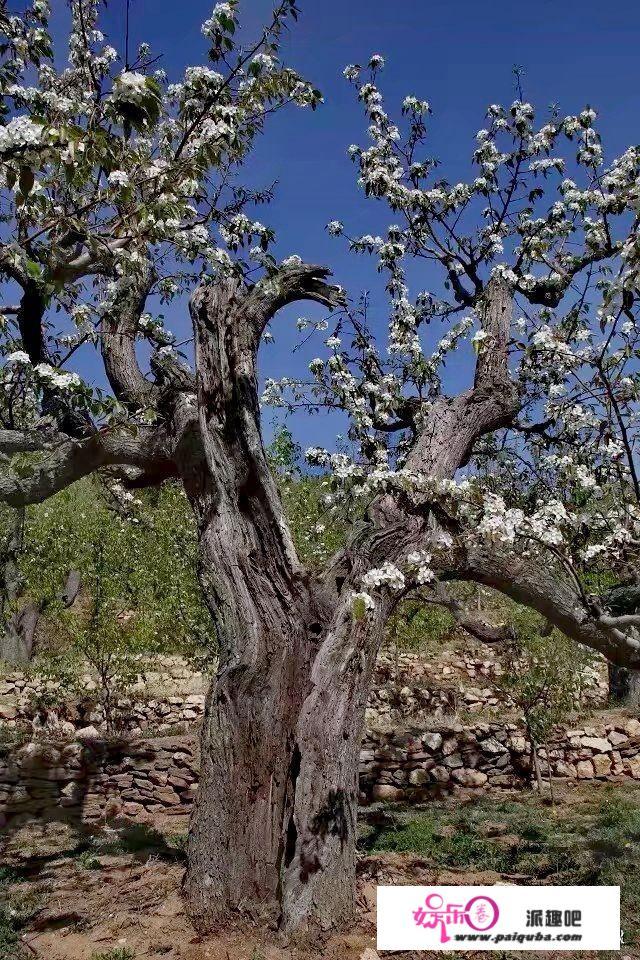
pixel 88 861
pixel 8 876
pixel 439 839
pixel 177 841
pixel 12 737
pixel 595 841
pixel 614 842
pixel 10 948
pixel 15 913
pixel 106 847
pixel 118 953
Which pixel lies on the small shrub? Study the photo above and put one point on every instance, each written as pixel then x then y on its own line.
pixel 118 953
pixel 15 912
pixel 177 841
pixel 8 876
pixel 88 861
pixel 9 938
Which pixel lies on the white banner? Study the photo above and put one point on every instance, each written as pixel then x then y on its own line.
pixel 498 918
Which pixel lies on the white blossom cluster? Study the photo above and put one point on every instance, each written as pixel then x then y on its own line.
pixel 104 170
pixel 567 481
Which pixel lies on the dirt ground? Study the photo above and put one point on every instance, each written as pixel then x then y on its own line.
pixel 110 903
pixel 136 903
pixel 88 900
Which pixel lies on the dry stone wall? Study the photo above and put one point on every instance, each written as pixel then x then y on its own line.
pixel 434 726
pixel 168 696
pixel 451 757
pixel 92 779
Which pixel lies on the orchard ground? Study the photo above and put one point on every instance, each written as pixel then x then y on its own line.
pixel 96 892
pixel 116 895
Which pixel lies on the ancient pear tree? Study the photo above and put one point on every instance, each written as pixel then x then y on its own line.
pixel 119 191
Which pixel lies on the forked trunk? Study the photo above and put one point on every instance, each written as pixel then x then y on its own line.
pixel 273 833
pixel 272 837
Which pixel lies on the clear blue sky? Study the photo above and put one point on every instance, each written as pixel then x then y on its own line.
pixel 458 54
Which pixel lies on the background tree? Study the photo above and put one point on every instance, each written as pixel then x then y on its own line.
pixel 16 642
pixel 318 531
pixel 542 674
pixel 147 569
pixel 273 831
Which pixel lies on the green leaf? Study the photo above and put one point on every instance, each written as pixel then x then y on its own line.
pixel 34 269
pixel 359 609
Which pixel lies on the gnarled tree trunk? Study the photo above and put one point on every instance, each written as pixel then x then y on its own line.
pixel 273 834
pixel 17 627
pixel 624 685
pixel 273 831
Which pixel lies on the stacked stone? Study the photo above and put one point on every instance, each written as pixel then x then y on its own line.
pixel 447 758
pixel 97 779
pixel 160 781
pixel 94 779
pixel 134 717
pixel 450 757
pixel 159 714
pixel 607 751
pixel 169 694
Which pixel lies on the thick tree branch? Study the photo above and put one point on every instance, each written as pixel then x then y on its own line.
pixel 58 467
pixel 546 293
pixel 30 323
pixel 480 629
pixel 228 320
pixel 12 263
pixel 118 332
pixel 540 582
pixel 495 313
pixel 86 263
pixel 287 285
pixel 453 425
pixel 29 441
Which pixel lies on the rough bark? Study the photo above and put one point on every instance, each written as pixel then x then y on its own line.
pixel 20 634
pixel 71 589
pixel 274 828
pixel 65 460
pixel 318 884
pixel 624 685
pixel 118 333
pixel 541 582
pixel 535 762
pixel 16 632
pixel 272 621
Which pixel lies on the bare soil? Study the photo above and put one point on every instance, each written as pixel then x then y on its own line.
pixel 85 902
